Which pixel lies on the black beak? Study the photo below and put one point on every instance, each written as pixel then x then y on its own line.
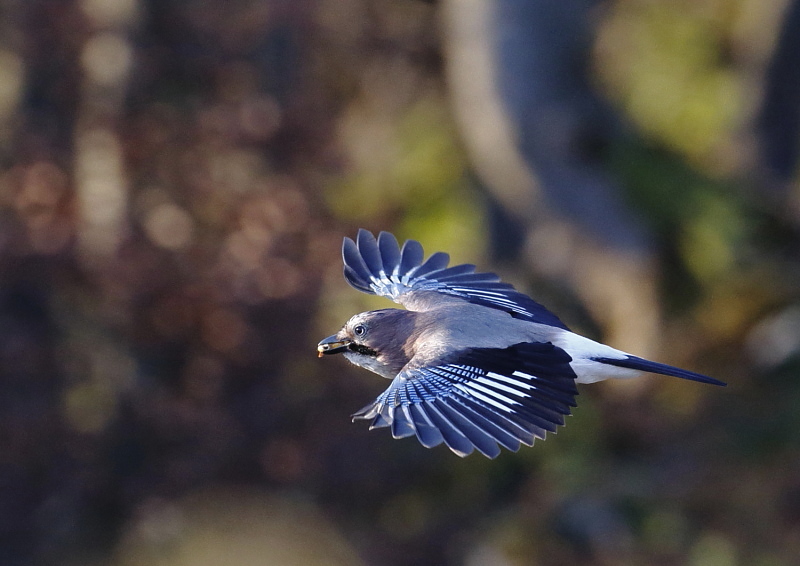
pixel 332 345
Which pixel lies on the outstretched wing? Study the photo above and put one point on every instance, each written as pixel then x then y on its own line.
pixel 482 398
pixel 380 267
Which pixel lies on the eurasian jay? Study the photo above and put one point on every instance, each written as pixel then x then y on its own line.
pixel 474 363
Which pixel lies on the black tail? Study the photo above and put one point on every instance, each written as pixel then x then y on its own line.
pixel 632 362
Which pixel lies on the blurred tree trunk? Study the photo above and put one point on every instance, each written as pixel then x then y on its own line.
pixel 537 133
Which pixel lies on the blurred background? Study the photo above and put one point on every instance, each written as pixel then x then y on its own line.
pixel 176 177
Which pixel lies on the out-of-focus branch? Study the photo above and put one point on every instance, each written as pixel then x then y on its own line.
pixel 102 193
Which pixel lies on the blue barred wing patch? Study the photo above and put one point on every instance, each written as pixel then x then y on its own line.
pixel 480 399
pixel 379 266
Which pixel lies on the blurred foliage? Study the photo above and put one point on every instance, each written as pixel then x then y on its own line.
pixel 682 70
pixel 413 169
pixel 176 180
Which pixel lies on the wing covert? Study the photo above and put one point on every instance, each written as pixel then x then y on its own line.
pixel 480 399
pixel 379 266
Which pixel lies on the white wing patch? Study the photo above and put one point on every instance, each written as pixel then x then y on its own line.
pixel 472 386
pixel 486 399
pixel 500 386
pixel 511 380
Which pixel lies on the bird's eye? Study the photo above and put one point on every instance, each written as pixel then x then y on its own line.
pixel 359 330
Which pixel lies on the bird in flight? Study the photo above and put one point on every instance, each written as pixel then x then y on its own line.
pixel 474 363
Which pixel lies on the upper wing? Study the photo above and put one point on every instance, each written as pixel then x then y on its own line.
pixel 380 267
pixel 481 399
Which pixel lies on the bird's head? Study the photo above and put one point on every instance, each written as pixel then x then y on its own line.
pixel 375 340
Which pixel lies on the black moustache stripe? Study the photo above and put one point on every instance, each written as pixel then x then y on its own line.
pixel 361 349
